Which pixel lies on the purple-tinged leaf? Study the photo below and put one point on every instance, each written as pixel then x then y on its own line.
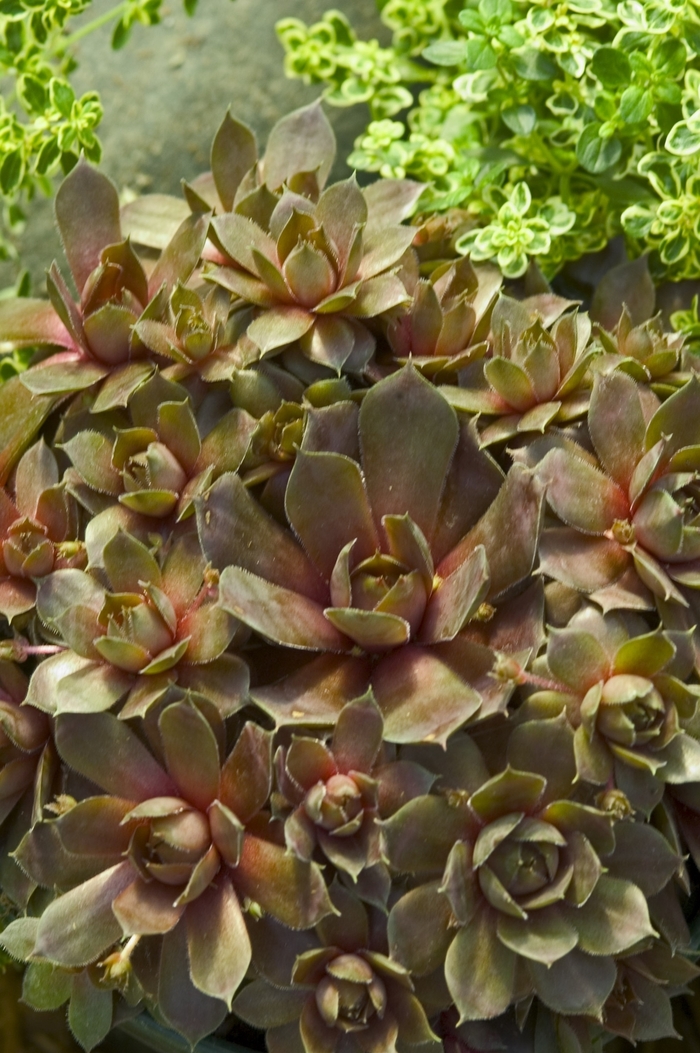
pixel 217 941
pixel 302 141
pixel 147 908
pixel 181 255
pixel 327 506
pixel 390 201
pixel 509 532
pixel 246 775
pixel 79 925
pixel 357 737
pixel 90 1011
pixel 419 837
pixel 627 285
pixel 579 985
pixel 106 751
pixel 87 213
pixel 617 426
pixel 315 694
pixel 185 1008
pixel 280 614
pixel 408 435
pixel 191 753
pixel 580 494
pixel 455 599
pixel 419 929
pixel 234 529
pixel 21 416
pixel 292 891
pixel 421 698
pixel 25 322
pixel 480 971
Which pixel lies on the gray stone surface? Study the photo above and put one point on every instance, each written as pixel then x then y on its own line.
pixel 166 92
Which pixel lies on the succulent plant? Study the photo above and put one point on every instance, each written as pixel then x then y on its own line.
pixel 448 321
pixel 538 372
pixel 349 677
pixel 392 578
pixel 342 992
pixel 39 530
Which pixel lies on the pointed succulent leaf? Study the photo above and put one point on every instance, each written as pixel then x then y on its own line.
pixel 191 753
pixel 480 971
pixel 455 599
pixel 87 213
pixel 217 941
pixel 617 425
pixel 579 983
pixel 327 506
pixel 408 435
pixel 302 141
pixel 291 890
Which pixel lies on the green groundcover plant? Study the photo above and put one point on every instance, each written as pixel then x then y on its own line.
pixel 556 126
pixel 349 648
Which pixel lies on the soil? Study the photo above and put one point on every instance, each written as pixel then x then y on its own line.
pixel 166 92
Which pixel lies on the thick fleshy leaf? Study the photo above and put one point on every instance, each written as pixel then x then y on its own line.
pixel 577 658
pixel 509 532
pixel 263 1006
pixel 61 378
pixel 235 530
pixel 94 826
pixel 147 908
pixel 676 418
pixel 287 617
pixel 80 925
pixel 617 425
pixel 106 751
pixel 302 141
pixel 584 563
pixel 580 494
pixel 128 563
pixel 233 153
pixel 191 753
pixel 357 736
pixel 217 941
pixel 627 285
pixel 370 630
pixel 247 772
pixel 279 326
pixel 480 970
pixel 455 598
pixel 419 837
pixel 292 891
pixel 419 929
pixel 21 416
pixel 421 698
pixel 327 506
pixel 190 1012
pixel 87 213
pixel 545 936
pixel 545 747
pixel 643 856
pixel 511 791
pixel 578 985
pixel 390 201
pixel 25 321
pixel 408 435
pixel 316 693
pixel 613 918
pixel 66 683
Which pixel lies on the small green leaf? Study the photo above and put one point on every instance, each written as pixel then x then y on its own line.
pixel 446 53
pixel 670 58
pixel 520 119
pixel 33 93
pixel 480 54
pixel 636 104
pixel 48 156
pixel 531 64
pixel 611 67
pixel 62 96
pixel 683 139
pixel 596 154
pixel 11 171
pixel 120 34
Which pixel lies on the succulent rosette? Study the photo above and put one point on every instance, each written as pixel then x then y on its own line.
pixel 625 692
pixel 335 794
pixel 314 274
pixel 522 889
pixel 448 322
pixel 649 354
pixel 537 373
pixel 159 454
pixel 114 290
pixel 634 507
pixel 39 527
pixel 341 990
pixel 171 850
pixel 28 771
pixel 397 553
pixel 154 628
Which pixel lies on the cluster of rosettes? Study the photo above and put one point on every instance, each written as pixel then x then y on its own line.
pixel 349 655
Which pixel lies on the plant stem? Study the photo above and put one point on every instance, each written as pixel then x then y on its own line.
pixel 96 23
